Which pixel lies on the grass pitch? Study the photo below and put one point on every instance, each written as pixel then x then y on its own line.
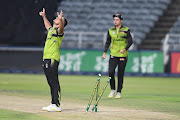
pixel 139 93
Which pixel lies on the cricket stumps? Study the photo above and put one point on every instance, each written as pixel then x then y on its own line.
pixel 98 96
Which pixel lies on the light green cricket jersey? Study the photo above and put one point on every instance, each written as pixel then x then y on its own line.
pixel 118 41
pixel 52 44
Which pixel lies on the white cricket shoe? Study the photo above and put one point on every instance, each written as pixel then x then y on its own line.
pixel 52 108
pixel 118 95
pixel 112 93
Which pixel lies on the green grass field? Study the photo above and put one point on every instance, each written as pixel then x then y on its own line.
pixel 139 93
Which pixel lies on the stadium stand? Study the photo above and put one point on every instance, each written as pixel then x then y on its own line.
pixel 96 16
pixel 155 37
pixel 174 36
pixel 171 42
pixel 88 22
pixel 176 27
pixel 21 24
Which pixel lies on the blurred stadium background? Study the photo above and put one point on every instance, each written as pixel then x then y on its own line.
pixel 154 24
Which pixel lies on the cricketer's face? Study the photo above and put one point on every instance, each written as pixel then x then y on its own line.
pixel 117 21
pixel 56 21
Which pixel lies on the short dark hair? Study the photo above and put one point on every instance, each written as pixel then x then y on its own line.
pixel 119 16
pixel 65 22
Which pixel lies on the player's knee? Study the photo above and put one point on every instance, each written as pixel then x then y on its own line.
pixel 111 73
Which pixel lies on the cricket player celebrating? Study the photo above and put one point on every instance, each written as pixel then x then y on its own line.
pixel 51 57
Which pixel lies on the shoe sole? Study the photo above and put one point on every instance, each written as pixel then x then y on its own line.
pixel 53 111
pixel 118 97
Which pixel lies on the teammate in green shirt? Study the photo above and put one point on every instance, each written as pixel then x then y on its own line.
pixel 51 57
pixel 120 39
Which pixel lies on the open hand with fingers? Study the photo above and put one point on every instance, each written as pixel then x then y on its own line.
pixel 42 13
pixel 60 15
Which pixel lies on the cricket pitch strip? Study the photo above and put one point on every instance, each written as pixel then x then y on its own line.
pixel 74 111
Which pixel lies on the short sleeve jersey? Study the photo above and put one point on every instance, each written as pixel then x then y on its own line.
pixel 118 41
pixel 52 44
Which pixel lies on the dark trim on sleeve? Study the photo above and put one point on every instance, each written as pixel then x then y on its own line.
pixel 61 35
pixel 129 38
pixel 57 34
pixel 108 42
pixel 50 28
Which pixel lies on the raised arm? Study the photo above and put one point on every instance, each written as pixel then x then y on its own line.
pixel 61 23
pixel 46 22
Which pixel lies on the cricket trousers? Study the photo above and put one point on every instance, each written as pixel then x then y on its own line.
pixel 113 63
pixel 50 67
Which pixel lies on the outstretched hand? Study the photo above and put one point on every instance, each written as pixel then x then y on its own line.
pixel 60 15
pixel 42 13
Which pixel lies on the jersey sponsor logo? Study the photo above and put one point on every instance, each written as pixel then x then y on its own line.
pixel 118 40
pixel 113 32
pixel 54 40
pixel 123 32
